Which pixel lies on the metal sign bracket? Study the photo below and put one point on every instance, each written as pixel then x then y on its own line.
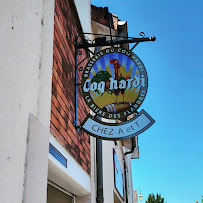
pixel 99 41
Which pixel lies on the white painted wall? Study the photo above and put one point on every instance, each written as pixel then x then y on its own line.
pixel 36 167
pixel 108 146
pixel 74 178
pixel 26 41
pixel 93 169
pixel 84 12
pixel 46 62
pixel 129 178
pixel 108 171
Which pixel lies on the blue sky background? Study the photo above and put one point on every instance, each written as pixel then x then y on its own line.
pixel 171 151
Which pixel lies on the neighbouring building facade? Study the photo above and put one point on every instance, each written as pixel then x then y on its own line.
pixel 43 157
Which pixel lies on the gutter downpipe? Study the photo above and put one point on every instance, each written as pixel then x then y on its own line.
pixel 99 160
pixel 133 147
pixel 100 197
pixel 126 185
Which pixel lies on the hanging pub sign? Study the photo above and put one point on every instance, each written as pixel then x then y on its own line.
pixel 114 85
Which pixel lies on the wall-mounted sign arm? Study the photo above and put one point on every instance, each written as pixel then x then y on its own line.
pixel 79 84
pixel 77 68
pixel 89 50
pixel 75 120
pixel 134 46
pixel 109 43
pixel 83 60
pixel 142 34
pixel 107 35
pixel 102 78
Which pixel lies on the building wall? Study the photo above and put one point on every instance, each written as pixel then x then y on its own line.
pixel 71 177
pixel 34 35
pixel 84 13
pixel 66 28
pixel 26 41
pixel 130 191
pixel 108 171
pixel 135 196
pixel 111 194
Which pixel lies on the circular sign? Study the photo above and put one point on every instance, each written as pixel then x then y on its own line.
pixel 114 83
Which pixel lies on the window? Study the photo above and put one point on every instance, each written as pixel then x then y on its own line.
pixel 55 195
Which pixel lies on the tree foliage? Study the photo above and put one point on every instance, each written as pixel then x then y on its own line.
pixel 153 199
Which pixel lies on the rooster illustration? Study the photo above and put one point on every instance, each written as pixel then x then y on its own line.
pixel 120 74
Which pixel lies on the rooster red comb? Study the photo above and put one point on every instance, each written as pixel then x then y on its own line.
pixel 114 60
